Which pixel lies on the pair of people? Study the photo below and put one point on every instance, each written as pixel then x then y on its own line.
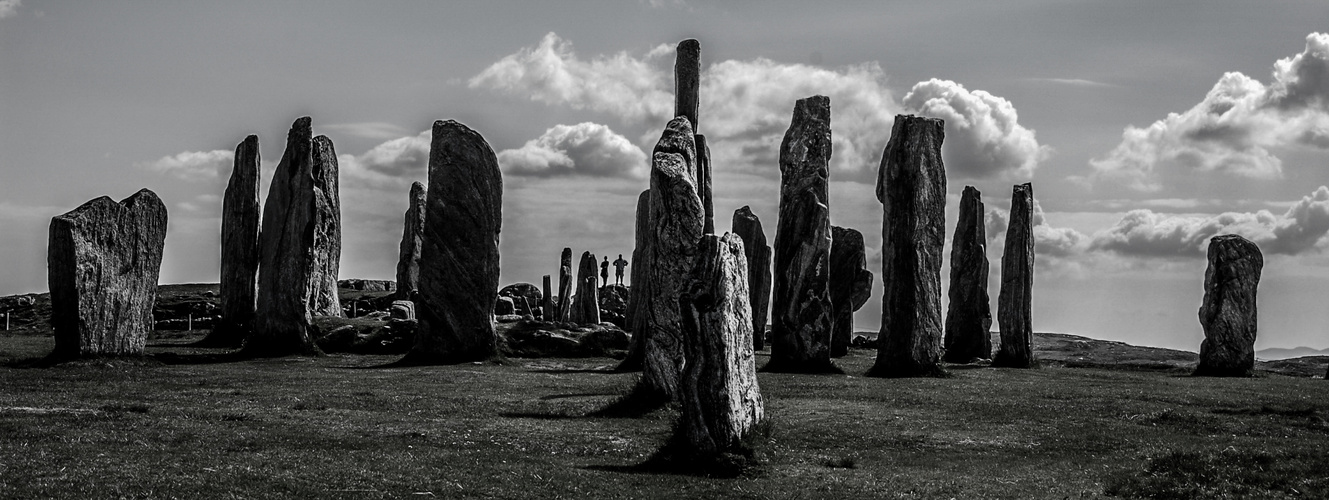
pixel 618 269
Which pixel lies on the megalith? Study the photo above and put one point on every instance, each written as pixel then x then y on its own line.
pixel 323 296
pixel 565 286
pixel 911 185
pixel 286 271
pixel 1015 298
pixel 238 289
pixel 546 302
pixel 801 300
pixel 586 302
pixel 748 227
pixel 851 285
pixel 638 314
pixel 1228 312
pixel 676 219
pixel 969 319
pixel 459 258
pixel 720 399
pixel 687 81
pixel 704 184
pixel 102 263
pixel 412 236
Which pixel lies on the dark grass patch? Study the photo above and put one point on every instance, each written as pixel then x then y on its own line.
pixel 1282 411
pixel 742 460
pixel 781 366
pixel 844 462
pixel 125 408
pixel 1229 473
pixel 640 401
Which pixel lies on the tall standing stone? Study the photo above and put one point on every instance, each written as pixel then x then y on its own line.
pixel 969 318
pixel 412 238
pixel 459 260
pixel 547 302
pixel 687 81
pixel 239 249
pixel 911 185
pixel 102 263
pixel 801 304
pixel 676 219
pixel 323 299
pixel 704 183
pixel 586 304
pixel 286 253
pixel 720 398
pixel 565 286
pixel 1015 299
pixel 748 227
pixel 851 285
pixel 1228 312
pixel 638 315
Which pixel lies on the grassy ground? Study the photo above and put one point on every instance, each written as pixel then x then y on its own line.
pixel 336 427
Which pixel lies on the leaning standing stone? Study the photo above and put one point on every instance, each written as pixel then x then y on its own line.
pixel 638 315
pixel 412 234
pixel 1228 311
pixel 239 250
pixel 911 185
pixel 970 316
pixel 565 286
pixel 586 304
pixel 459 259
pixel 851 285
pixel 748 227
pixel 323 299
pixel 1015 300
pixel 102 262
pixel 719 396
pixel 801 303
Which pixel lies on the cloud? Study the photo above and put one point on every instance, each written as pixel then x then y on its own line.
pixel 1149 234
pixel 983 136
pixel 1233 130
pixel 1048 240
pixel 368 130
pixel 585 148
pixel 193 165
pixel 392 164
pixel 9 8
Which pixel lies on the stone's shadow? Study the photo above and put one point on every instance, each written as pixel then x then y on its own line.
pixel 637 403
pixel 576 395
pixel 541 415
pixel 827 368
pixel 556 371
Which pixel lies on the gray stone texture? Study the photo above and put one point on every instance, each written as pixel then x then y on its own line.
pixel 851 285
pixel 748 227
pixel 1228 312
pixel 1015 299
pixel 412 238
pixel 969 318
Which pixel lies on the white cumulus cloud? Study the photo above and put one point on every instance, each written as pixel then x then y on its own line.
pixel 193 165
pixel 983 135
pixel 1235 129
pixel 391 163
pixel 585 148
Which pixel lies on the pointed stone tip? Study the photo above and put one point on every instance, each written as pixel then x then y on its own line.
pixel 302 123
pixel 417 186
pixel 250 141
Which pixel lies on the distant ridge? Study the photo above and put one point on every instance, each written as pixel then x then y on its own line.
pixel 1275 353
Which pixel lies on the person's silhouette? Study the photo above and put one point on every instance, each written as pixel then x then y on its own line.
pixel 604 271
pixel 618 268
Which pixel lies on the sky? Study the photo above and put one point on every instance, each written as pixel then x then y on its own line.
pixel 1145 127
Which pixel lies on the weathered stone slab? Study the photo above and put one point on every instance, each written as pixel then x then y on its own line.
pixel 102 263
pixel 1015 299
pixel 526 297
pixel 239 249
pixel 412 236
pixel 687 81
pixel 969 319
pixel 1228 312
pixel 638 313
pixel 748 227
pixel 323 298
pixel 704 183
pixel 547 301
pixel 565 285
pixel 586 303
pixel 459 259
pixel 911 185
pixel 801 302
pixel 851 285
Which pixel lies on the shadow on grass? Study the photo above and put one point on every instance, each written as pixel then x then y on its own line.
pixel 642 400
pixel 677 457
pixel 810 368
pixel 50 361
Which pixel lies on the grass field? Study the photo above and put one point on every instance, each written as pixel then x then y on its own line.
pixel 338 427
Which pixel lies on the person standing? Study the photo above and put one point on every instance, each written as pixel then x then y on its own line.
pixel 604 272
pixel 618 268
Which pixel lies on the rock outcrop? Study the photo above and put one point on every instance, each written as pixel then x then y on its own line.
pixel 748 227
pixel 238 289
pixel 412 235
pixel 851 285
pixel 676 219
pixel 638 311
pixel 286 278
pixel 459 258
pixel 102 263
pixel 911 185
pixel 1015 298
pixel 565 286
pixel 801 302
pixel 720 399
pixel 526 297
pixel 614 304
pixel 586 302
pixel 1228 313
pixel 969 319
pixel 323 299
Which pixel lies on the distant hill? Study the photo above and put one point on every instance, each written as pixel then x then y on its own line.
pixel 1276 353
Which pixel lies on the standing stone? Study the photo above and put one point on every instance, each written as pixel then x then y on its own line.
pixel 801 309
pixel 1228 311
pixel 412 235
pixel 459 259
pixel 586 304
pixel 1015 299
pixel 911 185
pixel 676 219
pixel 747 226
pixel 638 314
pixel 719 396
pixel 969 318
pixel 323 299
pixel 286 253
pixel 546 302
pixel 851 285
pixel 704 183
pixel 565 286
pixel 687 81
pixel 239 250
pixel 102 262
